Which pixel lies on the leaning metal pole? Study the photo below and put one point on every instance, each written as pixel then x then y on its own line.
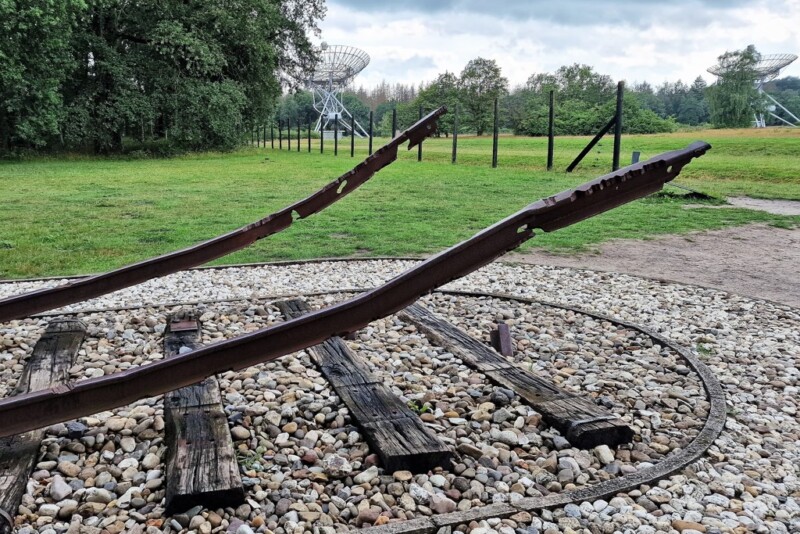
pixel 42 408
pixel 792 115
pixel 26 304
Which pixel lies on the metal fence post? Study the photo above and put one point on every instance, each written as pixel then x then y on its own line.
pixel 455 133
pixel 495 132
pixel 352 135
pixel 419 146
pixel 618 126
pixel 550 130
pixel 370 133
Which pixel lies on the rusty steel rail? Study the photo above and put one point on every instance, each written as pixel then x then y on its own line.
pixel 18 306
pixel 46 407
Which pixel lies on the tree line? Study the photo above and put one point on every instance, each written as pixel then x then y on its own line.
pixel 84 74
pixel 585 100
pixel 87 75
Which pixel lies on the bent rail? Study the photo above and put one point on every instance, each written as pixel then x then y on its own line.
pixel 18 306
pixel 46 407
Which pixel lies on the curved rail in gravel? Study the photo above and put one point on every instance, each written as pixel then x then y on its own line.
pixel 710 431
pixel 18 306
pixel 669 465
pixel 45 407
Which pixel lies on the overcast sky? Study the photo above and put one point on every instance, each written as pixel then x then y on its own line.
pixel 414 40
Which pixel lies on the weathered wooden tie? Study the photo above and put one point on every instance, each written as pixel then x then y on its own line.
pixel 48 366
pixel 583 423
pixel 393 431
pixel 201 464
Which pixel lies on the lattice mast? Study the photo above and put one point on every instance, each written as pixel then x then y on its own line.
pixel 766 70
pixel 337 67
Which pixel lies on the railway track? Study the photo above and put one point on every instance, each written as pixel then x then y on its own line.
pixel 186 495
pixel 396 433
pixel 100 284
pixel 36 409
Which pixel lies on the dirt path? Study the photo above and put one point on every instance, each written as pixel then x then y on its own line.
pixel 756 260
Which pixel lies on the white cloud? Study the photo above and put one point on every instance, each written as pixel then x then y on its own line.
pixel 412 41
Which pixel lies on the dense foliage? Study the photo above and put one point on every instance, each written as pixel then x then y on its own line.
pixel 84 74
pixel 686 104
pixel 35 59
pixel 176 74
pixel 787 92
pixel 585 100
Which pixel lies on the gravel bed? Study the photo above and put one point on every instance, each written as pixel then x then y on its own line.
pixel 307 468
pixel 230 283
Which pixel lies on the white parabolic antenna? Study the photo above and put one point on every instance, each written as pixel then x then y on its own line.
pixel 337 67
pixel 767 69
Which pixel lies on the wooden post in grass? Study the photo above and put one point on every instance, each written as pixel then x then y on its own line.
pixel 280 135
pixel 394 122
pixel 309 137
pixel 370 133
pixel 272 134
pixel 352 135
pixel 618 126
pixel 550 130
pixel 495 132
pixel 419 146
pixel 321 137
pixel 455 134
pixel 336 135
pixel 298 134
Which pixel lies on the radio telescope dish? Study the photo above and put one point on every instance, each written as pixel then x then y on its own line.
pixel 337 67
pixel 767 69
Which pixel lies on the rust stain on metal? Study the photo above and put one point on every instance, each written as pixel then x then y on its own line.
pixel 18 306
pixel 46 407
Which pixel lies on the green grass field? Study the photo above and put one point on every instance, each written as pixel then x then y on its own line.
pixel 79 215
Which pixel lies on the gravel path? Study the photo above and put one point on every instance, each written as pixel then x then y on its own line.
pixel 759 261
pixel 308 469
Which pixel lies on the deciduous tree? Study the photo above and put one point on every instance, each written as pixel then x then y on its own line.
pixel 194 72
pixel 734 98
pixel 481 82
pixel 35 59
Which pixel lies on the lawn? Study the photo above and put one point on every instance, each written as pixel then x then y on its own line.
pixel 78 215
